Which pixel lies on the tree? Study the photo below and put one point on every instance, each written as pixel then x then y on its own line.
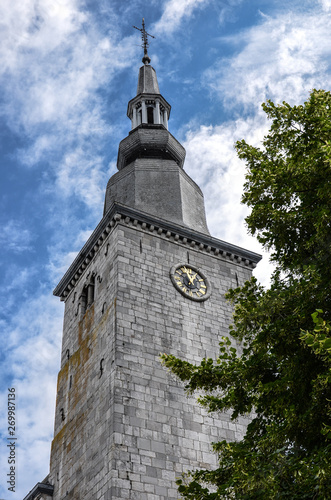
pixel 283 376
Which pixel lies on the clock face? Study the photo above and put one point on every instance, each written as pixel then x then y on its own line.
pixel 190 282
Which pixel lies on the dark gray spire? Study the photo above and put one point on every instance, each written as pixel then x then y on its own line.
pixel 150 161
pixel 147 81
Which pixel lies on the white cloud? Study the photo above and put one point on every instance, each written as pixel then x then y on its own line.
pixel 82 176
pixel 32 24
pixel 326 5
pixel 60 261
pixel 15 237
pixel 282 59
pixel 59 264
pixel 31 347
pixel 54 59
pixel 212 162
pixel 16 278
pixel 174 13
pixel 17 282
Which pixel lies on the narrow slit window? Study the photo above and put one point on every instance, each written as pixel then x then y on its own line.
pixel 150 115
pixel 83 302
pixel 90 292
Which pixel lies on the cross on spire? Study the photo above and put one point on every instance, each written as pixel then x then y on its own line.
pixel 146 59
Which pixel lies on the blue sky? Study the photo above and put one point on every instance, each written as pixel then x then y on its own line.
pixel 67 71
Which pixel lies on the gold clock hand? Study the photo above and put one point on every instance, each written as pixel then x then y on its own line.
pixel 186 271
pixel 188 275
pixel 192 278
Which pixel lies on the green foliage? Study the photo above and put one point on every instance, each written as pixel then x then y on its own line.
pixel 288 182
pixel 320 343
pixel 283 376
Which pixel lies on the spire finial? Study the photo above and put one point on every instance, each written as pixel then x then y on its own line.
pixel 146 59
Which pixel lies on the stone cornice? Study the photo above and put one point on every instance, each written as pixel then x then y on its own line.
pixel 120 214
pixel 40 488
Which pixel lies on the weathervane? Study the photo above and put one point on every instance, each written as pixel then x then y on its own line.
pixel 146 59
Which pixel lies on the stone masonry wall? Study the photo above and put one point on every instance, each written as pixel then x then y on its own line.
pixel 82 447
pixel 129 429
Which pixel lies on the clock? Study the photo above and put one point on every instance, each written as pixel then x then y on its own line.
pixel 190 282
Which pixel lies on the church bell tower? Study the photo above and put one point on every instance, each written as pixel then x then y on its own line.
pixel 150 279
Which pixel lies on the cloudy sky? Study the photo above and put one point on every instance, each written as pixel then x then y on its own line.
pixel 67 70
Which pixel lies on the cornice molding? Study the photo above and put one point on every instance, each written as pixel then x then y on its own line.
pixel 38 489
pixel 122 215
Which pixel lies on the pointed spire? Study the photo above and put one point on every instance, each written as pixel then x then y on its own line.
pixel 147 81
pixel 146 59
pixel 148 107
pixel 150 160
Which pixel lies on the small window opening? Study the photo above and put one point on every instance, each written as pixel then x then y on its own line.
pixel 150 115
pixel 90 292
pixel 87 297
pixel 101 367
pixel 83 302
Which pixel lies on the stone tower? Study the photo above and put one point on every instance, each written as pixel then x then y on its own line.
pixel 150 279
